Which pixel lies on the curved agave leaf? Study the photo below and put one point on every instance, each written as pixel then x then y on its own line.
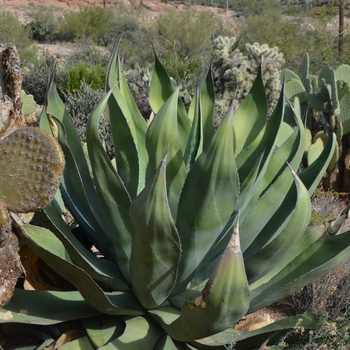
pixel 82 343
pixel 103 328
pixel 250 117
pixel 76 185
pixel 203 214
pixel 70 185
pixel 140 333
pixel 323 255
pixel 312 175
pixel 254 339
pixel 277 188
pixel 111 191
pixel 195 143
pixel 160 90
pixel 264 144
pixel 52 252
pixel 75 196
pixel 162 136
pixel 156 246
pixel 166 343
pixel 128 130
pixel 264 209
pixel 223 302
pixel 54 307
pixel 206 102
pixel 279 243
pixel 101 270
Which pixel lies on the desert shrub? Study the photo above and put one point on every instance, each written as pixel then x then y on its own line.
pixel 92 75
pixel 92 23
pixel 87 51
pixel 253 7
pixel 184 40
pixel 139 80
pixel 13 32
pixel 124 23
pixel 79 104
pixel 35 80
pixel 43 23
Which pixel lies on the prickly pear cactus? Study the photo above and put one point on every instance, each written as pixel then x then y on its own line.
pixel 31 166
pixel 29 108
pixel 325 100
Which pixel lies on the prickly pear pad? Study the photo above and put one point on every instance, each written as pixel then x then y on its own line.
pixel 31 166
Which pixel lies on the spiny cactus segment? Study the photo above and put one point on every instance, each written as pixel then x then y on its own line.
pixel 235 72
pixel 31 165
pixel 325 100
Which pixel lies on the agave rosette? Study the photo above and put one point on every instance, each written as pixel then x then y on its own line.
pixel 197 227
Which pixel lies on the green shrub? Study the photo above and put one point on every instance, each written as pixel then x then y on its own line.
pixel 184 40
pixel 36 79
pixel 254 7
pixel 124 23
pixel 43 24
pixel 92 23
pixel 82 71
pixel 12 31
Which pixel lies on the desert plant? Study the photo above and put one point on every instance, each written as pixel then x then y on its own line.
pixel 234 72
pixel 185 220
pixel 83 72
pixel 31 165
pixel 92 23
pixel 325 103
pixel 13 32
pixel 43 23
pixel 35 80
pixel 183 41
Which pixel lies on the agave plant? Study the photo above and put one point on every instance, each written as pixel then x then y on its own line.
pixel 195 227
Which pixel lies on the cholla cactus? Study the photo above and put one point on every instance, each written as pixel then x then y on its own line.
pixel 235 72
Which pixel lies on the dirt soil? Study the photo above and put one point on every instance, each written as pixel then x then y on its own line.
pixel 151 5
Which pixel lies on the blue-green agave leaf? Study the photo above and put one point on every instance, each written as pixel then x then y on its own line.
pixel 101 270
pixel 223 301
pixel 208 200
pixel 195 143
pixel 206 106
pixel 111 191
pixel 128 128
pixel 82 343
pixel 156 246
pixel 322 256
pixel 312 175
pixel 50 249
pixel 45 307
pixel 278 243
pixel 87 197
pixel 160 90
pixel 250 117
pixel 254 339
pixel 162 136
pixel 140 333
pixel 103 328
